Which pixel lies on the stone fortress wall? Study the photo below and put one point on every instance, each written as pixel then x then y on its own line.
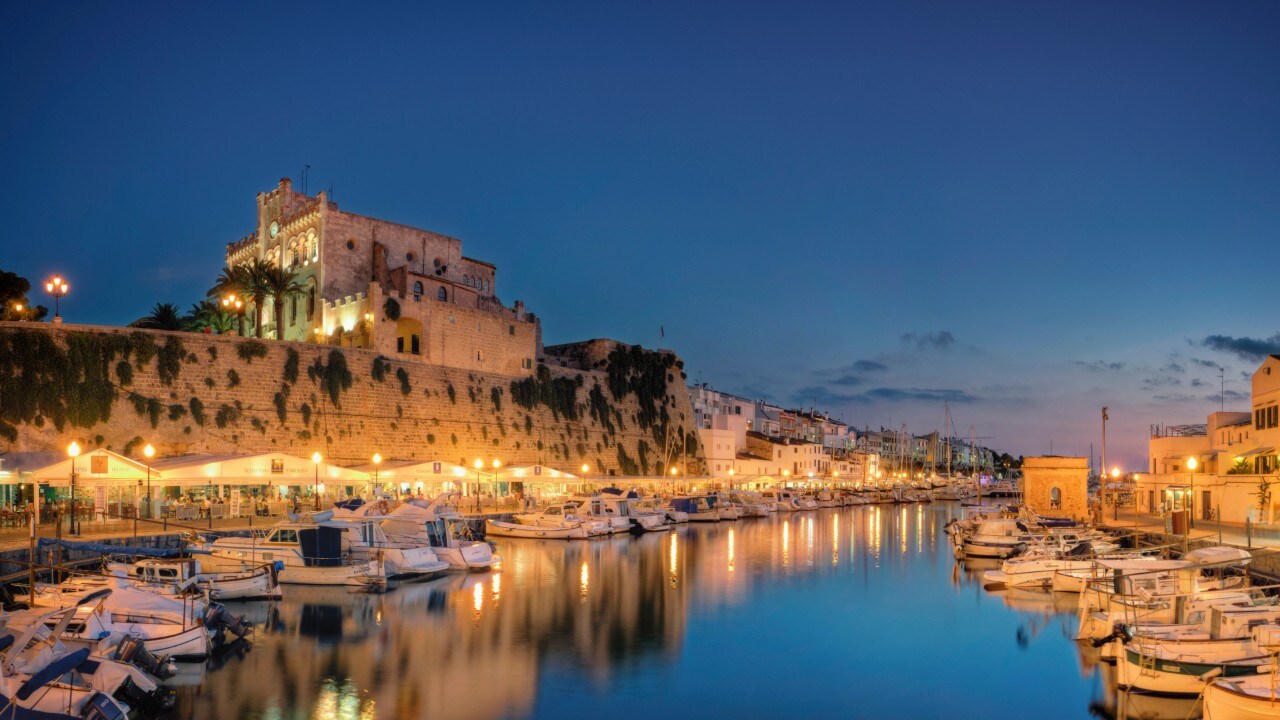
pixel 121 388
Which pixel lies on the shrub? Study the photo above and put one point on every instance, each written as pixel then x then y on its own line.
pixel 403 376
pixel 233 378
pixel 391 309
pixel 124 371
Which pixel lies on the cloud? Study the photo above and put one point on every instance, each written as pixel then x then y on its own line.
pixel 1099 365
pixel 937 340
pixel 821 396
pixel 847 381
pixel 1206 363
pixel 1178 397
pixel 1233 395
pixel 1173 367
pixel 1155 382
pixel 1198 383
pixel 869 366
pixel 1252 349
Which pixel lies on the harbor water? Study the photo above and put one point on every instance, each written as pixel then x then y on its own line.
pixel 846 612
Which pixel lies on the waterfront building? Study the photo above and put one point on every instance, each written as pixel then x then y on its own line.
pixel 372 283
pixel 1235 470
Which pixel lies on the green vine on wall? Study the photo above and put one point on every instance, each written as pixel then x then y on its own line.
pixel 291 361
pixel 333 377
pixel 250 349
pixel 560 395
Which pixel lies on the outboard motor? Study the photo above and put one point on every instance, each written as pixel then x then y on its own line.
pixel 132 651
pixel 218 618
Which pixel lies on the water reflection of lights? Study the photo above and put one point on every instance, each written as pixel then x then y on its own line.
pixel 810 540
pixel 341 703
pixel 673 552
pixel 496 583
pixel 919 527
pixel 584 581
pixel 835 539
pixel 477 598
pixel 786 543
pixel 902 529
pixel 731 550
pixel 873 533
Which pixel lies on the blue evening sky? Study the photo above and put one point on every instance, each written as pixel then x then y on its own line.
pixel 1031 209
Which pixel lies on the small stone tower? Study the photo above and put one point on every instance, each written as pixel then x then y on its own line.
pixel 1056 486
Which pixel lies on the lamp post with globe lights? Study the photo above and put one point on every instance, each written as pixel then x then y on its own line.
pixel 57 287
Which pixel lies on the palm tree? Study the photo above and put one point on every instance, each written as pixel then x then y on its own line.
pixel 281 284
pixel 248 282
pixel 164 316
pixel 208 314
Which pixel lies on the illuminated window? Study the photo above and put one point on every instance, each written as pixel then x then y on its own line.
pixel 417 291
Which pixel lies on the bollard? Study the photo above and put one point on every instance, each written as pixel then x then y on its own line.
pixel 1248 532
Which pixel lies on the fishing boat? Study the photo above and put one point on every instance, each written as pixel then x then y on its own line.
pixel 563 516
pixel 499 528
pixel 1252 697
pixel 221 578
pixel 725 510
pixel 1181 667
pixel 309 553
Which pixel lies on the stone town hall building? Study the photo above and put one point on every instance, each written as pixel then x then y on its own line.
pixel 355 268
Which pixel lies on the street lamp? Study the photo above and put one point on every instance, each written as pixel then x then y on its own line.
pixel 149 452
pixel 1191 465
pixel 377 460
pixel 316 459
pixel 235 306
pixel 57 287
pixel 73 451
pixel 1115 497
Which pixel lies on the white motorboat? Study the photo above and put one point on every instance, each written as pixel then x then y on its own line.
pixel 696 507
pixel 725 510
pixel 593 508
pixel 177 627
pixel 42 678
pixel 402 556
pixel 783 499
pixel 626 505
pixel 498 528
pixel 439 524
pixel 996 538
pixel 311 554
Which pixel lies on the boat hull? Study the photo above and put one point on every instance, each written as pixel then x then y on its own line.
pixel 496 528
pixel 1227 700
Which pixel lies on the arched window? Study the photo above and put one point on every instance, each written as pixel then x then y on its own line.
pixel 442 295
pixel 1055 498
pixel 417 291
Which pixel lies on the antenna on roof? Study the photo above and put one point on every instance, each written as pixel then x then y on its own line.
pixel 424 255
pixel 305 169
pixel 1222 390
